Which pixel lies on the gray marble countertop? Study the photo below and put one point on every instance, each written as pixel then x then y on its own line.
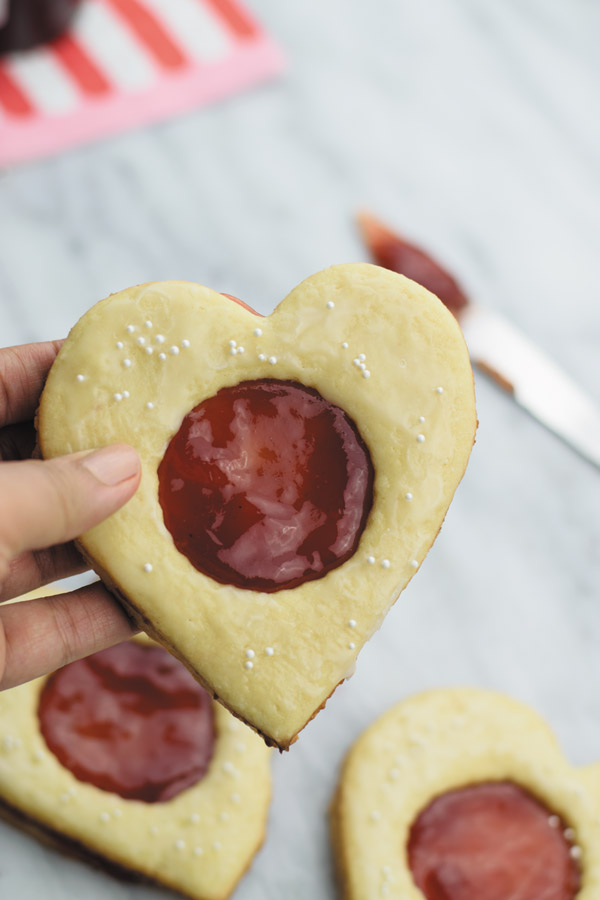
pixel 474 129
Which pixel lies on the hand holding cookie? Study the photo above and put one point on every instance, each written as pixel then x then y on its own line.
pixel 44 505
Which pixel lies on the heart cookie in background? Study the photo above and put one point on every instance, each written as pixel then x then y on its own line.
pixel 465 795
pixel 125 760
pixel 295 471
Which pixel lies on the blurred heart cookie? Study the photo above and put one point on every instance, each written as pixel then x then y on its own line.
pixel 465 795
pixel 125 760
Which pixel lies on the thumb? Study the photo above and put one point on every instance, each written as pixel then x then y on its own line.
pixel 43 503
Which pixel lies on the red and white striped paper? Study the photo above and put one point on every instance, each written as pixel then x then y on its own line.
pixel 127 63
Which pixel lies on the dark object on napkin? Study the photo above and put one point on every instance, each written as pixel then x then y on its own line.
pixel 32 22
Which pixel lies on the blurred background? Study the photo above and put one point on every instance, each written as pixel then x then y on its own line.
pixel 240 164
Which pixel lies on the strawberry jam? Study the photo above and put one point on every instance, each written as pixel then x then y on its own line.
pixel 130 720
pixel 266 485
pixel 491 842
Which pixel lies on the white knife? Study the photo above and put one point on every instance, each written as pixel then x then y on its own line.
pixel 496 347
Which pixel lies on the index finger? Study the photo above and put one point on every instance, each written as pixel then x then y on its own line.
pixel 23 371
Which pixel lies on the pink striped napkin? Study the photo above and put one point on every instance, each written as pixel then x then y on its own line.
pixel 127 63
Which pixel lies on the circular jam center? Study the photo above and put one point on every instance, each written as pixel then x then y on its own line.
pixel 266 485
pixel 491 842
pixel 130 720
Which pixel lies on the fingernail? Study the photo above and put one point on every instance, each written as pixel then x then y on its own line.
pixel 112 465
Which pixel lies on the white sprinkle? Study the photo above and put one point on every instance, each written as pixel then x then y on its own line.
pixel 575 852
pixel 394 774
pixel 118 397
pixel 345 345
pixel 194 818
pixel 64 798
pixel 362 366
pixel 258 332
pixel 185 343
pixel 104 817
pixel 362 357
pixel 375 815
pixel 224 817
pixel 249 664
pixel 8 742
pixel 330 304
pixel 371 560
pixel 81 378
pixel 233 351
pixel 149 351
pixel 198 851
pixel 569 834
pixel 148 323
pixel 141 341
pixel 233 725
pixel 384 889
pixel 117 813
pixel 352 623
pixel 240 748
pixel 235 798
pixel 386 871
pixel 262 357
pixel 232 343
pixel 269 651
pixel 272 360
pixel 38 756
pixel 439 390
pixel 366 373
pixel 420 438
pixel 250 654
pixel 385 564
pixel 119 345
pixel 414 563
pixel 126 395
pixel 127 363
pixel 174 350
pixel 149 405
pixel 179 845
pixel 554 821
pixel 351 646
pixel 154 829
pixel 228 767
pixel 160 339
pixel 131 329
pixel 408 496
pixel 421 419
pixel 217 845
pixel 241 350
pixel 356 362
pixel 147 567
pixel 162 356
pixel 17 742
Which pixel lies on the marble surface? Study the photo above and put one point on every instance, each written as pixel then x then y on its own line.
pixel 472 127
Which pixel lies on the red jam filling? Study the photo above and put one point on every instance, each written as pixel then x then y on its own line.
pixel 130 720
pixel 491 842
pixel 266 485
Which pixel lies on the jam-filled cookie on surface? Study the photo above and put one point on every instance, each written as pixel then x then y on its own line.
pixel 296 470
pixel 125 760
pixel 465 795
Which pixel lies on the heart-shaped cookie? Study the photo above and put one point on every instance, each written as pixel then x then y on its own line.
pixel 178 806
pixel 465 793
pixel 377 363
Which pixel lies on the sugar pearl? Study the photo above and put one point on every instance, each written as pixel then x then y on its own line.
pixel 345 345
pixel 127 363
pixel 81 378
pixel 149 351
pixel 439 390
pixel 174 350
pixel 250 654
pixel 180 845
pixel 385 564
pixel 119 345
pixel 217 845
pixel 330 304
pixel 198 851
pixel 351 645
pixel 149 405
pixel 408 496
pixel 371 560
pixel 249 664
pixel 262 357
pixel 131 329
pixel 160 339
pixel 147 567
pixel 126 395
pixel 194 818
pixel 366 374
pixel 232 343
pixel 141 341
pixel 420 438
pixel 104 817
pixel 148 323
pixel 258 332
pixel 162 356
pixel 414 563
pixel 118 397
pixel 362 357
pixel 272 360
pixel 185 343
pixel 352 623
pixel 269 651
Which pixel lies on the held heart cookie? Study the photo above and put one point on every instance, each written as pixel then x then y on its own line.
pixel 465 795
pixel 296 470
pixel 125 760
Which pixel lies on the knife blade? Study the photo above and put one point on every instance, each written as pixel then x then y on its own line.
pixel 496 347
